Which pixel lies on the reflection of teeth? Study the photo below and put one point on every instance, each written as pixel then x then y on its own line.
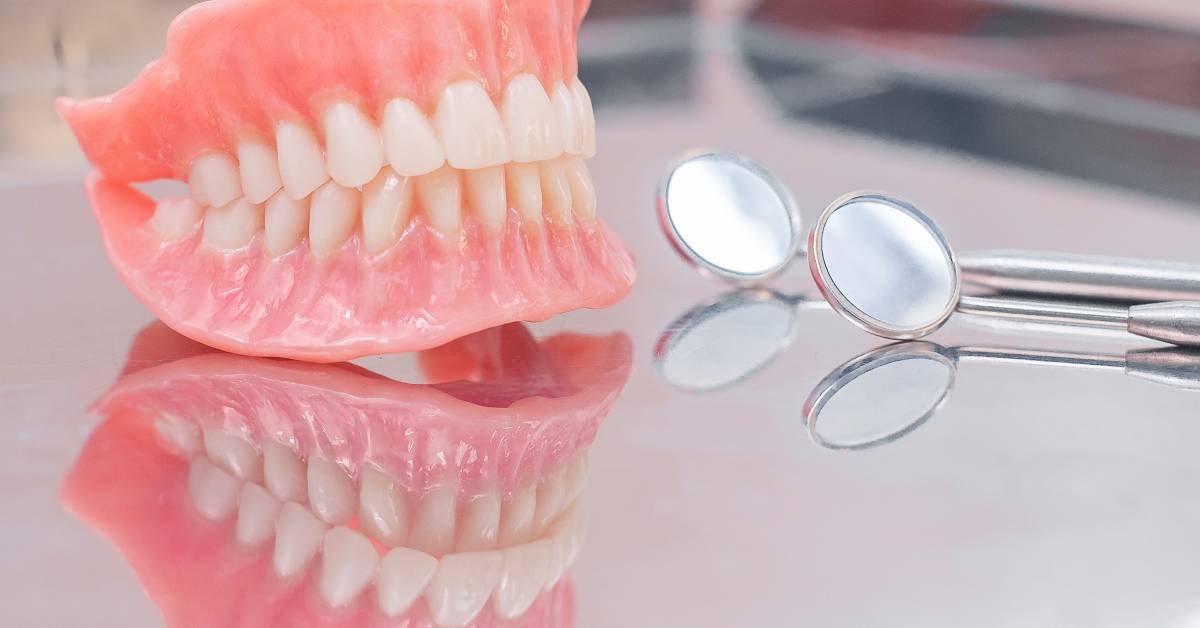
pixel 462 586
pixel 526 569
pixel 485 192
pixel 259 170
pixel 232 226
pixel 257 511
pixel 403 575
pixel 214 492
pixel 433 528
pixel 583 193
pixel 549 499
pixel 284 473
pixel 352 145
pixel 301 162
pixel 411 143
pixel 348 565
pixel 329 491
pixel 175 218
pixel 586 117
pixel 556 191
pixel 232 453
pixel 382 510
pixel 472 133
pixel 568 119
pixel 387 203
pixel 533 133
pixel 214 180
pixel 516 520
pixel 184 436
pixel 480 523
pixel 297 537
pixel 286 223
pixel 525 190
pixel 332 217
pixel 440 193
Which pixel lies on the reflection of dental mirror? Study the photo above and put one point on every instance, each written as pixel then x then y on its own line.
pixel 886 393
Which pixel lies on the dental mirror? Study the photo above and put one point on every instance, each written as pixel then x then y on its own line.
pixel 729 216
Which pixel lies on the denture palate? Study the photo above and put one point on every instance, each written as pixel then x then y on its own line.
pixel 456 551
pixel 359 175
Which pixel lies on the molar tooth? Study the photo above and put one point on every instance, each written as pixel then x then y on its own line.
pixel 516 520
pixel 181 434
pixel 472 133
pixel 440 193
pixel 213 180
pixel 259 169
pixel 232 453
pixel 214 492
pixel 297 538
pixel 485 190
pixel 232 226
pixel 480 523
pixel 257 511
pixel 332 217
pixel 284 473
pixel 382 511
pixel 175 218
pixel 556 191
pixel 286 223
pixel 462 586
pixel 526 569
pixel 301 161
pixel 532 123
pixel 403 575
pixel 433 528
pixel 412 145
pixel 568 119
pixel 583 192
pixel 549 499
pixel 525 189
pixel 329 491
pixel 352 145
pixel 586 118
pixel 387 204
pixel 348 564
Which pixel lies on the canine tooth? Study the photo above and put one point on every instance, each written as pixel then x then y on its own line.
pixel 257 511
pixel 297 538
pixel 411 144
pixel 516 519
pixel 213 180
pixel 485 190
pixel 284 473
pixel 480 523
pixel 583 192
pixel 440 193
pixel 348 565
pixel 232 453
pixel 524 574
pixel 329 491
pixel 556 191
pixel 462 586
pixel 286 222
pixel 532 123
pixel 549 499
pixel 586 118
pixel 232 226
pixel 301 162
pixel 332 217
pixel 567 115
pixel 577 474
pixel 525 189
pixel 175 218
pixel 259 169
pixel 214 492
pixel 472 133
pixel 403 575
pixel 182 435
pixel 387 204
pixel 352 145
pixel 382 510
pixel 433 527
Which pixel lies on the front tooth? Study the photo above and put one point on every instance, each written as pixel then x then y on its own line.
pixel 525 189
pixel 480 523
pixel 531 121
pixel 485 191
pixel 175 218
pixel 232 453
pixel 516 521
pixel 382 510
pixel 214 492
pixel 352 145
pixel 526 569
pixel 301 162
pixel 213 180
pixel 440 193
pixel 387 204
pixel 182 435
pixel 472 133
pixel 412 145
pixel 433 528
pixel 549 499
pixel 297 538
pixel 462 586
pixel 586 118
pixel 232 226
pixel 286 223
pixel 403 575
pixel 284 473
pixel 556 191
pixel 348 565
pixel 330 491
pixel 568 119
pixel 583 192
pixel 259 169
pixel 257 511
pixel 332 217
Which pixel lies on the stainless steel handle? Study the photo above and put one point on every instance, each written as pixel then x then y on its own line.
pixel 1091 276
pixel 1176 322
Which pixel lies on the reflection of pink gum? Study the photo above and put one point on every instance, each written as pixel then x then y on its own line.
pixel 502 520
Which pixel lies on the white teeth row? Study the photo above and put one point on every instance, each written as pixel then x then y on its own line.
pixel 558 190
pixel 466 132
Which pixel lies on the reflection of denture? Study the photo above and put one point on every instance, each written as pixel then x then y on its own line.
pixel 365 176
pixel 327 494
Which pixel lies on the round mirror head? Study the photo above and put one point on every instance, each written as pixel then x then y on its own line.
pixel 884 265
pixel 879 396
pixel 729 216
pixel 722 343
